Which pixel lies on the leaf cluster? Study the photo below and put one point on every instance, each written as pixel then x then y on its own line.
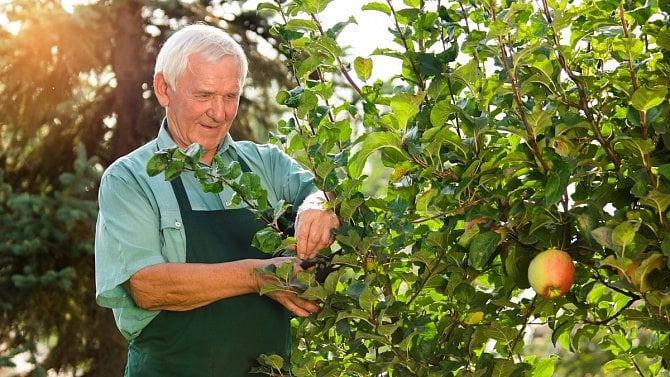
pixel 510 128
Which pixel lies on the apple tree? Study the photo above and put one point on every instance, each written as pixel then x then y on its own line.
pixel 509 128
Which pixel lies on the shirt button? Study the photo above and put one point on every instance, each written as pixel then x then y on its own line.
pixel 177 224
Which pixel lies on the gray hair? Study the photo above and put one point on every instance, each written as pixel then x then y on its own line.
pixel 213 43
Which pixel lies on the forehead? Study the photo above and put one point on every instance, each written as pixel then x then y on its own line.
pixel 202 71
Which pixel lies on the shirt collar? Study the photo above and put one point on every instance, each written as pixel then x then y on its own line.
pixel 164 141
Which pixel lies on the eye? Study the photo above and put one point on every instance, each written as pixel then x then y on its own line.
pixel 203 95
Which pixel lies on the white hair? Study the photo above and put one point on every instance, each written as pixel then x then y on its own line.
pixel 213 43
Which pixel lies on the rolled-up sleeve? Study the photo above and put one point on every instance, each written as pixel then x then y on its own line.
pixel 127 237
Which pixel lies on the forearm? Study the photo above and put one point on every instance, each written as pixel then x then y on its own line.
pixel 186 286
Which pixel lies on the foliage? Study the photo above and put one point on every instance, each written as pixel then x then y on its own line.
pixel 511 127
pixel 46 250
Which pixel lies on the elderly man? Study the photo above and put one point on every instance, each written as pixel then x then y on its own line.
pixel 174 263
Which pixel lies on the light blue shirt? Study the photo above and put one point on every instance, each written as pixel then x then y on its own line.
pixel 139 223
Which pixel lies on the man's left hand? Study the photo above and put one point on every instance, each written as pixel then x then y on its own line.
pixel 314 231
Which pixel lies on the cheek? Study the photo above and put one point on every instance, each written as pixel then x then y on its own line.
pixel 232 110
pixel 193 109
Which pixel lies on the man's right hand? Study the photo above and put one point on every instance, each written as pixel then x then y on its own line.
pixel 289 299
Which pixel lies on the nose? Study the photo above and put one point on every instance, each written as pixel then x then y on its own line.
pixel 217 109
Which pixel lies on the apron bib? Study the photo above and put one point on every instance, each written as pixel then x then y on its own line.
pixel 225 337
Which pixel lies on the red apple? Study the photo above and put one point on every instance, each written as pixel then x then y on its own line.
pixel 551 273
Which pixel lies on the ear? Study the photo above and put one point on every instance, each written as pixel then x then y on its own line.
pixel 161 89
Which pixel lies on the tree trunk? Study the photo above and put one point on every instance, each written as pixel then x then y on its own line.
pixel 135 122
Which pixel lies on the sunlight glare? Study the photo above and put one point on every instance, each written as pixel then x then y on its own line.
pixel 69 5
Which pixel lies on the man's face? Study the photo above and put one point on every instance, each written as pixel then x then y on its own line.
pixel 203 105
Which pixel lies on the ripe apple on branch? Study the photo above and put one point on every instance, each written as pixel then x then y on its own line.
pixel 551 273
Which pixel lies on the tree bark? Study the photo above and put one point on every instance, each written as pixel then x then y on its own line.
pixel 136 122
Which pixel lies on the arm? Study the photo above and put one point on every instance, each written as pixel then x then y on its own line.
pixel 186 286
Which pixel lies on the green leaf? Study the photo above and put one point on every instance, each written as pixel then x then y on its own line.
pixel 554 189
pixel 373 337
pixel 308 101
pixel 657 200
pixel 315 6
pixel 307 66
pixel 615 365
pixel 388 329
pixel 663 37
pixel 266 240
pixel 354 313
pixel 273 361
pixel 268 6
pixel 328 48
pixel 620 342
pixel 370 143
pixel 193 152
pixel 658 299
pixel 619 263
pixel 539 121
pixel 272 288
pixel 624 233
pixel 603 235
pixel 482 248
pixel 405 106
pixel 644 98
pixel 607 6
pixel 367 299
pixel 174 169
pixel 504 368
pixel 664 170
pixel 651 263
pixel 500 332
pixel 158 163
pixel 285 271
pixel 441 112
pixel 464 292
pixel 298 24
pixel 315 293
pixel 634 146
pixel 544 367
pixel 363 67
pixel 469 74
pixel 380 7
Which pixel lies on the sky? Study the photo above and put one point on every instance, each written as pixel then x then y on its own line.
pixel 370 32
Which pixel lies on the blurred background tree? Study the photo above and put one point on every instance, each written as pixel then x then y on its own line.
pixel 75 94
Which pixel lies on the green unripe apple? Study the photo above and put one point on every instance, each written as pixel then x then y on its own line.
pixel 551 273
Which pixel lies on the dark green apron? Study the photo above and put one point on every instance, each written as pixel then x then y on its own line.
pixel 223 338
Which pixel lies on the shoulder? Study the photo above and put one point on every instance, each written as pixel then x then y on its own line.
pixel 129 173
pixel 127 178
pixel 246 145
pixel 134 163
pixel 263 152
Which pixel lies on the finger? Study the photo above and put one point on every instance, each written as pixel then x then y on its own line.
pixel 298 306
pixel 302 239
pixel 320 239
pixel 317 239
pixel 306 305
pixel 295 309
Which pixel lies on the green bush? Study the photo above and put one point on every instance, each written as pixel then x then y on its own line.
pixel 511 127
